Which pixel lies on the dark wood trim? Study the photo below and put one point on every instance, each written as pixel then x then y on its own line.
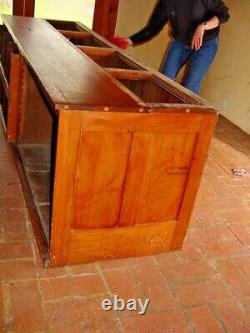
pixel 41 240
pixel 24 7
pixel 105 17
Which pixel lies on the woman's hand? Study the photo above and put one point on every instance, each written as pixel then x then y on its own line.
pixel 198 37
pixel 123 43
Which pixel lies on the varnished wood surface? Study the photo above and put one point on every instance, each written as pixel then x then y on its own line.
pixel 105 16
pixel 24 7
pixel 125 182
pixel 92 245
pixel 68 76
pixel 14 112
pixel 75 34
pixel 128 74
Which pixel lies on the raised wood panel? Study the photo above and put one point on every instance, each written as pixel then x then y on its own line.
pixel 91 165
pixel 87 246
pixel 101 172
pixel 158 168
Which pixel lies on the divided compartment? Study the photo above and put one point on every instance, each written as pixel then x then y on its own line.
pixel 82 38
pixel 65 25
pixel 136 79
pixel 150 91
pixel 108 58
pixel 75 33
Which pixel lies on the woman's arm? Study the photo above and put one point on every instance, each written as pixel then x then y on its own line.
pixel 200 30
pixel 156 22
pixel 219 9
pixel 220 15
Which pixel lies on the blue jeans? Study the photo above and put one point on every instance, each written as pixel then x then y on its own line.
pixel 198 62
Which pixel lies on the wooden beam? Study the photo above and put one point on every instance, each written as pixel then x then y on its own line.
pixel 105 17
pixel 99 51
pixel 24 7
pixel 128 74
pixel 76 34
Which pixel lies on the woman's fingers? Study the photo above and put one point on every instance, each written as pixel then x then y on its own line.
pixel 196 43
pixel 198 38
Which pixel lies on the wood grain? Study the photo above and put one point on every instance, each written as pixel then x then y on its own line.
pixel 76 34
pixel 158 169
pixel 128 74
pixel 105 16
pixel 15 93
pixel 93 50
pixel 104 244
pixel 200 153
pixel 101 172
pixel 36 120
pixel 66 80
pixel 122 172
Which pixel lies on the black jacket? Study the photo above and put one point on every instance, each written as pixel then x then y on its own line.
pixel 184 16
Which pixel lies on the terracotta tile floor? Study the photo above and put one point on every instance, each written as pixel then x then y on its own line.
pixel 203 288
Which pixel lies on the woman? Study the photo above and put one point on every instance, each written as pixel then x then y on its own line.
pixel 195 28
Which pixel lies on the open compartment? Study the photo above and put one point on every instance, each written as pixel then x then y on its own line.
pixel 150 91
pixel 36 147
pixel 65 25
pixel 75 33
pixel 81 38
pixel 107 58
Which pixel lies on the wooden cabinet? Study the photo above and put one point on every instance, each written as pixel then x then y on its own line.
pixel 110 152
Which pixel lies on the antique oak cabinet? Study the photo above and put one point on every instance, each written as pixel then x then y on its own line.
pixel 110 152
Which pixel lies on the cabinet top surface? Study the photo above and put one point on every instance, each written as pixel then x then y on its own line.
pixel 69 77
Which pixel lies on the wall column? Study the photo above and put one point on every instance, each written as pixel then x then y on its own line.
pixel 24 7
pixel 105 17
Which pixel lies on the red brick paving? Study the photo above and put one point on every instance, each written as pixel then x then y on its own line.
pixel 26 306
pixel 203 288
pixel 204 321
pixel 1 307
pixel 232 316
pixel 171 321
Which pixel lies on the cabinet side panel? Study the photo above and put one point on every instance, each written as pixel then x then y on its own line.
pixel 125 183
